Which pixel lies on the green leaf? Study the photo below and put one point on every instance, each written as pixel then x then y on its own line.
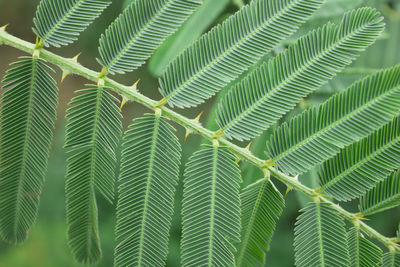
pixel 275 88
pixel 320 237
pixel 318 133
pixel 139 31
pixel 230 48
pixel 262 204
pixel 385 195
pixel 28 112
pixel 391 259
pixel 332 8
pixel 363 253
pixel 149 175
pixel 59 23
pixel 92 134
pixel 211 208
pixel 196 24
pixel 360 166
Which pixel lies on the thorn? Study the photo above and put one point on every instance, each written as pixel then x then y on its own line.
pixel 237 159
pixel 75 58
pixel 248 146
pixel 269 163
pixel 3 28
pixel 64 75
pixel 359 216
pixel 134 86
pixel 162 102
pixel 288 189
pixel 124 100
pixel 103 73
pixel 218 134
pixel 197 119
pixel 188 131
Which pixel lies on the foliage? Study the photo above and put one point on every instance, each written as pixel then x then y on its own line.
pixel 28 111
pixel 149 175
pixel 350 139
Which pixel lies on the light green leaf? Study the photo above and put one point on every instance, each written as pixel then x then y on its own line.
pixel 275 88
pixel 196 24
pixel 149 175
pixel 28 112
pixel 262 204
pixel 320 237
pixel 139 31
pixel 391 259
pixel 92 134
pixel 385 195
pixel 230 48
pixel 59 22
pixel 363 253
pixel 318 133
pixel 211 208
pixel 360 166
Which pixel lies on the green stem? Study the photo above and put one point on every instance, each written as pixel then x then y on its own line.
pixel 70 65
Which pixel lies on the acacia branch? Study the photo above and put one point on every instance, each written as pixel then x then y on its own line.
pixel 71 66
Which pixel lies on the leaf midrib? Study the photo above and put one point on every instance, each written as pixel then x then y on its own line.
pixel 382 204
pixel 319 229
pixel 363 161
pixel 25 147
pixel 137 36
pixel 251 224
pixel 61 20
pixel 230 49
pixel 290 78
pixel 212 206
pixel 91 210
pixel 149 179
pixel 315 135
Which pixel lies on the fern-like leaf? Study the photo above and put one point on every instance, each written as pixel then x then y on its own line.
pixel 262 204
pixel 391 259
pixel 274 88
pixel 318 133
pixel 140 30
pixel 149 175
pixel 211 208
pixel 59 22
pixel 28 111
pixel 230 48
pixel 363 253
pixel 385 195
pixel 320 237
pixel 92 135
pixel 360 166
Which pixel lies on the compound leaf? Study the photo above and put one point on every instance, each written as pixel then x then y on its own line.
pixel 360 166
pixel 28 112
pixel 140 30
pixel 92 134
pixel 262 204
pixel 275 88
pixel 320 237
pixel 149 175
pixel 318 133
pixel 59 22
pixel 230 48
pixel 385 195
pixel 363 253
pixel 211 208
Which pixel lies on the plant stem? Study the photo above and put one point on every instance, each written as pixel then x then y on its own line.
pixel 68 64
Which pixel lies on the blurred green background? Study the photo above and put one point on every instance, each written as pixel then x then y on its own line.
pixel 47 244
